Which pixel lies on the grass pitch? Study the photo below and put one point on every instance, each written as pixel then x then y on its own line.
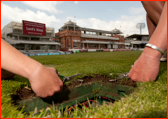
pixel 148 99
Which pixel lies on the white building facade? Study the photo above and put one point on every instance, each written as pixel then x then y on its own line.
pixel 26 43
pixel 136 41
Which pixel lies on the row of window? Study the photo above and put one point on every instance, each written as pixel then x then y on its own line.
pixel 69 39
pixel 79 39
pixel 21 31
pixel 75 45
pixel 29 39
pixel 95 33
pixel 34 47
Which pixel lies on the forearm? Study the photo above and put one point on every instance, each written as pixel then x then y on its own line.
pixel 159 36
pixel 146 67
pixel 16 62
pixel 151 26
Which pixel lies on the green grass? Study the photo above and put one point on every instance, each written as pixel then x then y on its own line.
pixel 147 100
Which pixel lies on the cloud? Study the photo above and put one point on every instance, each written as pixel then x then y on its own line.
pixel 49 6
pixel 134 11
pixel 127 24
pixel 76 2
pixel 15 14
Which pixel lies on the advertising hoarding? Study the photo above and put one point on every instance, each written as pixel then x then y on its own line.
pixel 33 28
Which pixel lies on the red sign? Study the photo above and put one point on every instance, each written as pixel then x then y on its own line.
pixel 33 28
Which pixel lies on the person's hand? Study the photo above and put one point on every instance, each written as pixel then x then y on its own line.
pixel 145 69
pixel 45 82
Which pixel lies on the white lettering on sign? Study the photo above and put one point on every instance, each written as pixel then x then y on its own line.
pixel 40 30
pixel 30 29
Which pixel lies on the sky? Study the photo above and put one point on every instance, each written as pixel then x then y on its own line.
pixel 102 15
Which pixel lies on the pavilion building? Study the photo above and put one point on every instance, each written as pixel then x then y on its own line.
pixel 73 37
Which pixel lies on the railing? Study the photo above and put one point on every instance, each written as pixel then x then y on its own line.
pixel 13 41
pixel 76 40
pixel 98 36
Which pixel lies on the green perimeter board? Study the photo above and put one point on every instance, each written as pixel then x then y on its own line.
pixel 69 97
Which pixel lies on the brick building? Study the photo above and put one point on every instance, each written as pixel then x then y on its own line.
pixel 73 37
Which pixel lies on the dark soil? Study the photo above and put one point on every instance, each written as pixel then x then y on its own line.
pixel 24 93
pixel 21 94
pixel 101 78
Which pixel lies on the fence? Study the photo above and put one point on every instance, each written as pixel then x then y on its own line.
pixel 40 54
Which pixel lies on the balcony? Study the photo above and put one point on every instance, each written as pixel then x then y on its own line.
pixel 76 41
pixel 14 41
pixel 96 42
pixel 139 42
pixel 98 36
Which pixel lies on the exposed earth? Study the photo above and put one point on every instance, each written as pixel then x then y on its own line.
pixel 27 92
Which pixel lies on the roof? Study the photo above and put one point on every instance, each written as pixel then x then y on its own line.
pixel 136 35
pixel 103 31
pixel 116 31
pixel 17 25
pixel 72 24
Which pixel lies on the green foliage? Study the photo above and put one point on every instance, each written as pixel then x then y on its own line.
pixel 147 100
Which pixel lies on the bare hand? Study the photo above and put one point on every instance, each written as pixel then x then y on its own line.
pixel 45 82
pixel 145 69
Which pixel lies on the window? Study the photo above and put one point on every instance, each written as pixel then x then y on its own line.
pixel 17 31
pixel 23 38
pixel 27 47
pixel 92 46
pixel 109 46
pixel 94 33
pixel 52 47
pixel 102 46
pixel 35 47
pixel 20 46
pixel 44 39
pixel 35 39
pixel 44 47
pixel 62 45
pixel 145 38
pixel 75 45
pixel 69 45
pixel 48 34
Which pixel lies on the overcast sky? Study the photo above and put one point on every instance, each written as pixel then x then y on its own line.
pixel 103 15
